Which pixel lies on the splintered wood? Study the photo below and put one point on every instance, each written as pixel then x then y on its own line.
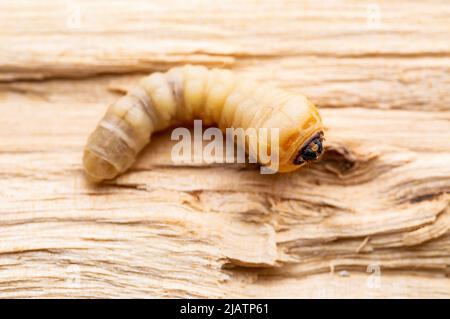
pixel 372 219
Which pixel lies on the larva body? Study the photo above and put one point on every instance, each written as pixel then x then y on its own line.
pixel 216 96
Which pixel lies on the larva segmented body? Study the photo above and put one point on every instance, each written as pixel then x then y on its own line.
pixel 182 94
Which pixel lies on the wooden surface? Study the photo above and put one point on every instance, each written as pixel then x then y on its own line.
pixel 371 220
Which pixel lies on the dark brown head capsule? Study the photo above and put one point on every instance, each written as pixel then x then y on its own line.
pixel 311 150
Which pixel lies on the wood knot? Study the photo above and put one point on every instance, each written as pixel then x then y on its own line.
pixel 345 159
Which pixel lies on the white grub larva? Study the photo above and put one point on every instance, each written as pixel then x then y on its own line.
pixel 218 96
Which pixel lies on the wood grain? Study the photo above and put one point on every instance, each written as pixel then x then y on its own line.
pixel 372 219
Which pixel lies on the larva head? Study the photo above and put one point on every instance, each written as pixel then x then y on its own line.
pixel 302 137
pixel 311 151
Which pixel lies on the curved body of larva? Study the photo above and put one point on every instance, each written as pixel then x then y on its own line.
pixel 216 96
